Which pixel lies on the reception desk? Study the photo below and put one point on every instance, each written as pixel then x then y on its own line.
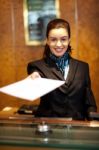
pixel 28 133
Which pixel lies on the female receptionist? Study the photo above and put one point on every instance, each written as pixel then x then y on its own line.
pixel 73 99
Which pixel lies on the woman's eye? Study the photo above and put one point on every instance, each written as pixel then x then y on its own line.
pixel 64 39
pixel 53 40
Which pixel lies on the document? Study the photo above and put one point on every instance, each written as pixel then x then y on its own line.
pixel 31 89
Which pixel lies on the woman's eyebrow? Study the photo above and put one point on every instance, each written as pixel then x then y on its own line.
pixel 60 37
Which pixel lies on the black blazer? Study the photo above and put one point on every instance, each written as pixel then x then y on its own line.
pixel 74 99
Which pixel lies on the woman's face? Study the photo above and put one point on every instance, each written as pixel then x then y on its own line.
pixel 58 41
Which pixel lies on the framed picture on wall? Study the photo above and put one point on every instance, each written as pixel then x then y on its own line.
pixel 37 13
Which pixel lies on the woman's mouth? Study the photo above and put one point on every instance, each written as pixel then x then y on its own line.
pixel 58 49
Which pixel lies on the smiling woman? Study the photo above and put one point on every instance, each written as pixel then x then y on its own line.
pixel 69 100
pixel 58 41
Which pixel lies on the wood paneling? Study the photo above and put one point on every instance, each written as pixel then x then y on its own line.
pixel 88 42
pixel 14 54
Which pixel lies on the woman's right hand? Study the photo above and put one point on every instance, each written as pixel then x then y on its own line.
pixel 35 75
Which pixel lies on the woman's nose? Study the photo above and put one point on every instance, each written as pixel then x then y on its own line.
pixel 59 43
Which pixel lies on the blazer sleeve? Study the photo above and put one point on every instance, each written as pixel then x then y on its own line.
pixel 31 68
pixel 90 100
pixel 35 66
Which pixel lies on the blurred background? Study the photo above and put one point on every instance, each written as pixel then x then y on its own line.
pixel 83 17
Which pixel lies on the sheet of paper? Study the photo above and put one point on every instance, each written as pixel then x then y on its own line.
pixel 30 89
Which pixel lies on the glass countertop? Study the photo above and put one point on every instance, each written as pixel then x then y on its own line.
pixel 49 132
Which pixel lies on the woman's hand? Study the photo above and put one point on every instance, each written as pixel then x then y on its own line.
pixel 35 75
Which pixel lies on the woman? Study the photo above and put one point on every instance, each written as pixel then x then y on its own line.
pixel 75 98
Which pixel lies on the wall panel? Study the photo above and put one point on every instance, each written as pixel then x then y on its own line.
pixel 88 42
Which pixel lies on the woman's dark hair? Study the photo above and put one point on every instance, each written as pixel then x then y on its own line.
pixel 55 24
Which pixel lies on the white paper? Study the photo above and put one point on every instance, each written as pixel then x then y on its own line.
pixel 30 89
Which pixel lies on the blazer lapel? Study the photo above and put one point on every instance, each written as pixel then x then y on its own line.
pixel 54 69
pixel 70 77
pixel 72 71
pixel 57 73
pixel 71 74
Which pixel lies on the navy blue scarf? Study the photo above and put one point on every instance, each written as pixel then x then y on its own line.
pixel 61 62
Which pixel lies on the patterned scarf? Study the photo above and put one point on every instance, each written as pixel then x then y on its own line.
pixel 61 62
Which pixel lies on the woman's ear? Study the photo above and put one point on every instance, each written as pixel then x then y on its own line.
pixel 69 41
pixel 46 40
